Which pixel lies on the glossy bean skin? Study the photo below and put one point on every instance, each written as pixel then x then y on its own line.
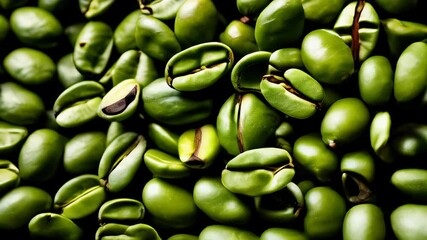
pixel 310 151
pixel 161 204
pixel 325 213
pixel 212 232
pixel 408 82
pixel 376 80
pixel 41 155
pixel 319 12
pixel 287 24
pixel 344 121
pixel 408 221
pixel 219 203
pixel 22 203
pixel 172 107
pixel 53 225
pixel 36 27
pixel 162 45
pixel 409 181
pixel 282 233
pixel 83 152
pixel 364 221
pixel 320 49
pixel 30 66
pixel 19 105
pixel 93 47
pixel 196 14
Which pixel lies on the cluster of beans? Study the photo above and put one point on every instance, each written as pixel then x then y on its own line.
pixel 204 119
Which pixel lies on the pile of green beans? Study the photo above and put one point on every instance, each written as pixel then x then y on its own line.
pixel 209 119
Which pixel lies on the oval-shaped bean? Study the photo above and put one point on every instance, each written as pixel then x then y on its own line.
pixel 36 27
pixel 310 151
pixel 156 38
pixel 321 50
pixel 19 205
pixel 379 134
pixel 240 37
pixel 83 152
pixel 30 66
pixel 408 222
pixel 283 19
pixel 218 203
pixel 19 105
pixel 411 182
pixel 286 58
pixel 121 210
pixel 409 82
pixel 93 48
pixel 400 34
pixel 41 155
pixel 376 80
pixel 258 171
pixel 164 138
pixel 67 71
pixel 54 226
pixel 170 205
pixel 196 22
pixel 344 122
pixel 364 221
pixel 199 66
pixel 326 210
pixel 79 197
